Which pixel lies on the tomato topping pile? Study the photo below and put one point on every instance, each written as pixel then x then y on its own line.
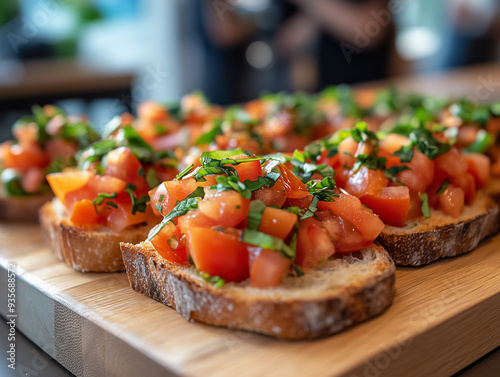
pixel 400 178
pixel 238 217
pixel 111 187
pixel 45 142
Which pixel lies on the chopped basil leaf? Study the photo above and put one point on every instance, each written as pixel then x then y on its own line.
pixel 269 180
pixel 427 144
pixel 295 210
pixel 220 155
pixel 425 205
pixel 210 136
pixel 152 178
pixel 12 183
pixel 198 193
pixel 360 133
pixel 231 183
pixel 483 141
pixel 443 186
pixel 405 153
pixel 183 173
pixel 138 203
pixel 111 204
pixel 257 208
pixel 129 136
pixel 298 270
pixel 391 172
pixel 99 199
pixel 311 210
pixel 256 238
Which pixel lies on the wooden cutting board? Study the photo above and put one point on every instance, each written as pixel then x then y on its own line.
pixel 444 316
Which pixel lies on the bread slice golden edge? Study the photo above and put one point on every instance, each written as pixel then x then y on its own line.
pixel 86 249
pixel 425 240
pixel 342 291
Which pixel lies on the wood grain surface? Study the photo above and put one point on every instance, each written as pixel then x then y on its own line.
pixel 444 317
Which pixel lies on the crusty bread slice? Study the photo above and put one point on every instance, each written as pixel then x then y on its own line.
pixel 425 240
pixel 22 209
pixel 342 291
pixel 86 249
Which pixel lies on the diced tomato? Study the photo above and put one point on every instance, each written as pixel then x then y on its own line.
pixel 393 142
pixel 294 187
pixel 342 176
pixel 366 182
pixel 268 269
pixel 33 179
pixel 415 206
pixel 27 134
pixel 174 191
pixel 391 160
pixel 346 237
pixel 275 195
pixel 390 203
pixel 451 202
pixel 452 163
pixel 121 217
pixel 347 149
pixel 84 213
pixel 227 208
pixel 121 163
pixel 350 208
pixel 23 157
pixel 106 183
pixel 219 254
pixel 168 243
pixel 314 244
pixel 195 219
pixel 277 222
pixel 467 184
pixel 303 203
pixel 466 135
pixel 420 175
pixel 152 111
pixel 479 166
pixel 248 171
pixel 66 182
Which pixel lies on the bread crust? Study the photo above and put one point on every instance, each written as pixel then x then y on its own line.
pixel 292 312
pixel 441 236
pixel 23 210
pixel 86 249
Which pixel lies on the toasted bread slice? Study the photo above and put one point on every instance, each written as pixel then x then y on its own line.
pixel 340 292
pixel 22 209
pixel 425 240
pixel 86 249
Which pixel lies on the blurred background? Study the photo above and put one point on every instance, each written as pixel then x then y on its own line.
pixel 102 57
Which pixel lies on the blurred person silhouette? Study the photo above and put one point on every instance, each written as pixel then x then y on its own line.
pixel 472 33
pixel 355 38
pixel 348 41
